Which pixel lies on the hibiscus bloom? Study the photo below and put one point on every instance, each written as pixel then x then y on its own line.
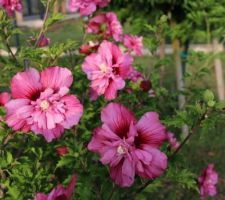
pixel 4 98
pixel 11 6
pixel 172 141
pixel 207 182
pixel 41 102
pixel 107 69
pixel 134 75
pixel 129 146
pixel 86 7
pixel 59 193
pixel 106 24
pixel 102 3
pixel 134 43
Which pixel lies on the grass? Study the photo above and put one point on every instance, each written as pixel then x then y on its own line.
pixel 59 32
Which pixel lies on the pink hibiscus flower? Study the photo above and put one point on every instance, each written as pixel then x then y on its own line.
pixel 134 75
pixel 4 98
pixel 102 3
pixel 129 146
pixel 106 24
pixel 11 6
pixel 86 7
pixel 107 69
pixel 41 102
pixel 59 193
pixel 172 141
pixel 207 182
pixel 134 43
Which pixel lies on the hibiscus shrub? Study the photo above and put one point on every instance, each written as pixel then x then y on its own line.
pixel 92 125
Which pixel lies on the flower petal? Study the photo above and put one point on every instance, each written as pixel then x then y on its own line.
pixel 70 187
pixel 123 173
pixel 153 162
pixel 150 130
pixel 26 84
pixel 118 118
pixel 18 111
pixel 74 111
pixel 41 196
pixel 56 77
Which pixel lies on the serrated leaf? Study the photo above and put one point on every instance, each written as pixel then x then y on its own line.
pixel 53 19
pixel 9 158
pixel 65 160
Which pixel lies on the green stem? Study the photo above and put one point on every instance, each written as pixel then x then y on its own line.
pixel 44 21
pixel 112 192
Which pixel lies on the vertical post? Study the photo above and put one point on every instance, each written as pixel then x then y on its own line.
pixel 218 71
pixel 17 38
pixel 179 73
pixel 29 7
pixel 180 80
pixel 162 56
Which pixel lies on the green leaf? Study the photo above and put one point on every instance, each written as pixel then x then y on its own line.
pixel 208 95
pixel 220 105
pixel 9 158
pixel 65 160
pixel 53 19
pixel 211 103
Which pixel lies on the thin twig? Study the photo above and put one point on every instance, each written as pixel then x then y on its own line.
pixel 9 48
pixel 112 192
pixel 8 138
pixel 44 21
pixel 194 129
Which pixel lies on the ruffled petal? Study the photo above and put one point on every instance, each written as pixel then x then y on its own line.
pixel 18 112
pixel 150 162
pixel 49 134
pixel 41 196
pixel 70 187
pixel 102 139
pixel 4 98
pixel 118 118
pixel 26 85
pixel 114 85
pixel 74 111
pixel 123 174
pixel 150 130
pixel 56 77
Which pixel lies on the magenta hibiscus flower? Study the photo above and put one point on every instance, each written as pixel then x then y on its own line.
pixel 207 182
pixel 4 98
pixel 174 144
pixel 134 43
pixel 107 69
pixel 41 102
pixel 59 193
pixel 106 24
pixel 86 7
pixel 11 5
pixel 128 146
